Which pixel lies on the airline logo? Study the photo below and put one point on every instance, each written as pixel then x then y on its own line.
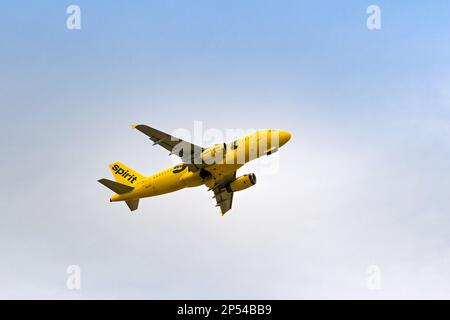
pixel 124 173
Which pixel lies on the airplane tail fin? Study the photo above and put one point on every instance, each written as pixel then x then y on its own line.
pixel 125 175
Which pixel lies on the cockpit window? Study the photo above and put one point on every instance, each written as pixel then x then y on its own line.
pixel 234 145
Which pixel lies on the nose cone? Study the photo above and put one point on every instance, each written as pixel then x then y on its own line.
pixel 285 136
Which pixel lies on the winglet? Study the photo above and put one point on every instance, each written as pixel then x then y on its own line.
pixel 133 125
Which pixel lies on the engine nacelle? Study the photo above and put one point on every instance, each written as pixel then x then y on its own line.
pixel 243 182
pixel 215 153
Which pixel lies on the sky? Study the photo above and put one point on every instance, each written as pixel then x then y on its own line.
pixel 363 184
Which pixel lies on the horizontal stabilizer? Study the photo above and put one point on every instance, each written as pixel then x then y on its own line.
pixel 115 186
pixel 132 204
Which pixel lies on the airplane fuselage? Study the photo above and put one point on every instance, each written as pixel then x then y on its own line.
pixel 232 157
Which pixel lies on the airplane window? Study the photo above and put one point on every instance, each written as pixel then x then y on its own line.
pixel 234 145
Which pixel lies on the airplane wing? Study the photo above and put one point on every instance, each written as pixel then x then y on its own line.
pixel 190 154
pixel 187 151
pixel 223 196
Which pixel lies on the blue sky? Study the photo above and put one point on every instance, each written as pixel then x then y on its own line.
pixel 364 180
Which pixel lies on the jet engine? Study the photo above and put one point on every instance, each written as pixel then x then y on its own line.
pixel 243 182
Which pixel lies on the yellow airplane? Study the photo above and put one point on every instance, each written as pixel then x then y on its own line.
pixel 214 167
